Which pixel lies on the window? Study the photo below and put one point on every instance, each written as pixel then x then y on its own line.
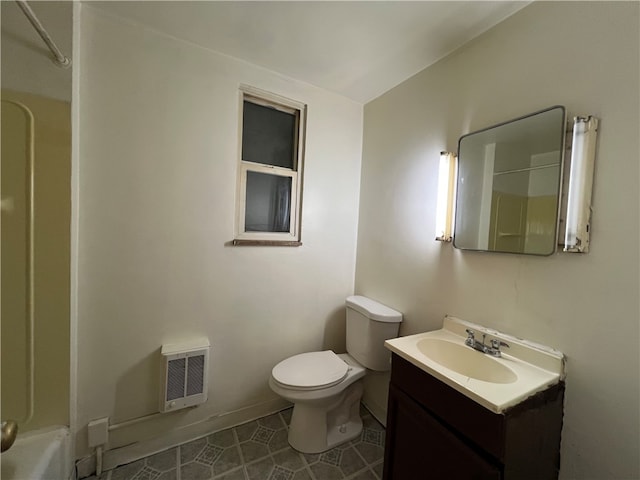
pixel 270 171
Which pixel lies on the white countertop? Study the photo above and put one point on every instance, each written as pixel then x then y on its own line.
pixel 536 366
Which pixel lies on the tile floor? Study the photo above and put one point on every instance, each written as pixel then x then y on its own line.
pixel 258 450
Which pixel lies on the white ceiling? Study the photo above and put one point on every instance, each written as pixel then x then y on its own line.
pixel 357 49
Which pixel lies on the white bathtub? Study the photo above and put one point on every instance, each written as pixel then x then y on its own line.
pixel 39 455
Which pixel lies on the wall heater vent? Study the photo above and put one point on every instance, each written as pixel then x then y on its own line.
pixel 185 370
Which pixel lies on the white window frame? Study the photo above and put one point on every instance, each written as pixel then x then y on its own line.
pixel 292 237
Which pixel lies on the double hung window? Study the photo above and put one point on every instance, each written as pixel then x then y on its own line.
pixel 270 171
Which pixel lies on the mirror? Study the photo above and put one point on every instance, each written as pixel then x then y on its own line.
pixel 509 181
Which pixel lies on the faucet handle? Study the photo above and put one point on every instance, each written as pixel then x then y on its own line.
pixel 496 344
pixel 470 340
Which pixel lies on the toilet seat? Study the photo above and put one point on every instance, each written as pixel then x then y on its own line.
pixel 310 371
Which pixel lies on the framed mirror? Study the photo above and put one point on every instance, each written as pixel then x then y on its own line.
pixel 509 185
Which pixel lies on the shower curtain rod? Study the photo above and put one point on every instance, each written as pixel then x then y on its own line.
pixel 59 59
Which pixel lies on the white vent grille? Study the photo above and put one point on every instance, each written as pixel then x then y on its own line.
pixel 185 370
pixel 195 378
pixel 176 373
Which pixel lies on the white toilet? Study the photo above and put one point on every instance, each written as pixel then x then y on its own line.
pixel 324 386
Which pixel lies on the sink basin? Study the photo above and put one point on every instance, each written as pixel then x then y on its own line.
pixel 524 369
pixel 466 361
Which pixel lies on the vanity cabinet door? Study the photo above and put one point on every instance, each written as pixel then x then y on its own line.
pixel 419 447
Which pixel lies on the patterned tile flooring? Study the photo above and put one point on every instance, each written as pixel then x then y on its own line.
pixel 258 450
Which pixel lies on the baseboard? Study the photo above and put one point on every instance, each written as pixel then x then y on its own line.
pixel 115 457
pixel 378 412
pixel 177 436
pixel 85 466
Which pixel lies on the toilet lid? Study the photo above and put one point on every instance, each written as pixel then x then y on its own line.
pixel 310 370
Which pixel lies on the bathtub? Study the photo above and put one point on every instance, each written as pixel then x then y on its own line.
pixel 39 455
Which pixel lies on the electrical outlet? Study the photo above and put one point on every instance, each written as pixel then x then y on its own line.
pixel 98 432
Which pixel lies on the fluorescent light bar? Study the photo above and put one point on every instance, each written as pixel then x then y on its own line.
pixel 446 195
pixel 583 153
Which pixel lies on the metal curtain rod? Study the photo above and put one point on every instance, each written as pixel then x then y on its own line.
pixel 59 58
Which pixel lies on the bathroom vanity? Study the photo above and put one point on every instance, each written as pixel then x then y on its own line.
pixel 441 425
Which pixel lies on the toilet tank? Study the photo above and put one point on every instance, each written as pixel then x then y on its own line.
pixel 369 324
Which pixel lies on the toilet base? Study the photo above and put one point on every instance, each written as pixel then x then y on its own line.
pixel 316 428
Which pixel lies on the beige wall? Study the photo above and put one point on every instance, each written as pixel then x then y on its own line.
pixel 158 153
pixel 44 89
pixel 27 62
pixel 584 55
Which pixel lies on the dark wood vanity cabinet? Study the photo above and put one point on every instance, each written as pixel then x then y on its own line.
pixel 436 432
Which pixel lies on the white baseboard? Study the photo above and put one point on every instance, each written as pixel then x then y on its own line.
pixel 86 466
pixel 378 412
pixel 177 436
pixel 115 457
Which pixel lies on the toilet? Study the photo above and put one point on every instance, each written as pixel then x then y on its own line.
pixel 326 387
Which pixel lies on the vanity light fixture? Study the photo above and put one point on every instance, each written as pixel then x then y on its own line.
pixel 583 153
pixel 446 196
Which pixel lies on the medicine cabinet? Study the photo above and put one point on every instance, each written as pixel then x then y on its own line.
pixel 509 185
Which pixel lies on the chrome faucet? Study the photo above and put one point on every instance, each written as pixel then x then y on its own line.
pixel 493 350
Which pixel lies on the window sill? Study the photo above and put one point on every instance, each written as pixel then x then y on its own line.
pixel 265 243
